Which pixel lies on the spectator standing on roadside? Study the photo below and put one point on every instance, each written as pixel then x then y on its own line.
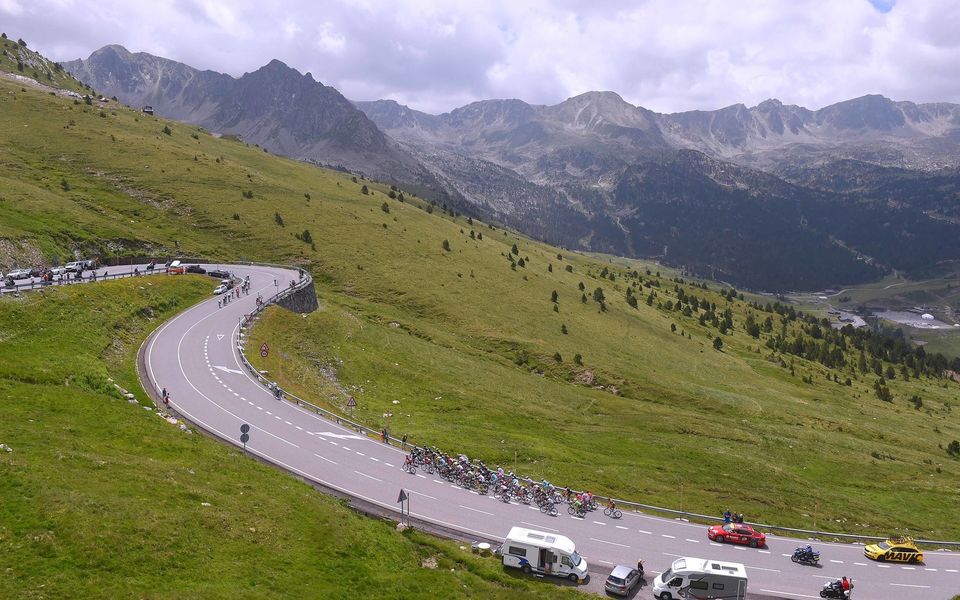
pixel 726 516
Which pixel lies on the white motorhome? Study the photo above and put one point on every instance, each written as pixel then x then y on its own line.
pixel 702 579
pixel 546 553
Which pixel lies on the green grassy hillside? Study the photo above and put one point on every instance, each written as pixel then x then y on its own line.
pixel 17 58
pixel 439 314
pixel 103 499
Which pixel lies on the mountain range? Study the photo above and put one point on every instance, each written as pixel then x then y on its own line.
pixel 771 197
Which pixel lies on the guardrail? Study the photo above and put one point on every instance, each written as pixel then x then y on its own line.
pixel 125 271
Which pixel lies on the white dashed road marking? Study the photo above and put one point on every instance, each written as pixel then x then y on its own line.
pixel 419 494
pixel 789 594
pixel 611 543
pixel 477 510
pixel 694 541
pixel 324 458
pixel 368 476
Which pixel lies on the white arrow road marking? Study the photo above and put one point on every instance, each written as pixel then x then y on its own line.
pixel 339 436
pixel 219 336
pixel 226 370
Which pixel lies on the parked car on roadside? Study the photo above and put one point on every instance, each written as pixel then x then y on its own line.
pixel 621 580
pixel 196 269
pixel 55 271
pixel 220 289
pixel 19 274
pixel 74 267
pixel 218 273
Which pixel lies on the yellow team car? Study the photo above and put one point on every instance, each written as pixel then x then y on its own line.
pixel 895 550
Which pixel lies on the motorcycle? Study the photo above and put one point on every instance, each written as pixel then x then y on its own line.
pixel 801 556
pixel 834 589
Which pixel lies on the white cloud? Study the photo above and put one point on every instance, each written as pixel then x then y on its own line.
pixel 328 40
pixel 11 7
pixel 667 55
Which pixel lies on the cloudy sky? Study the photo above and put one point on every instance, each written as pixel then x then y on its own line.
pixel 667 55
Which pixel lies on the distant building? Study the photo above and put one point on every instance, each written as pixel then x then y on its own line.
pixel 148 109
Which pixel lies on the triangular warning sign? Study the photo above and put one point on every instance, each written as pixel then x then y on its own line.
pixel 219 336
pixel 402 497
pixel 352 403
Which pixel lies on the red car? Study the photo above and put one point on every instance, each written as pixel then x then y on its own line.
pixel 737 533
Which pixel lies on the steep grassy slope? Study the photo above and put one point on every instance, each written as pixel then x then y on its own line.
pixel 19 59
pixel 470 343
pixel 103 499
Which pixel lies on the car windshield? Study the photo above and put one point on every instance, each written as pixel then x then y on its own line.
pixel 884 546
pixel 666 574
pixel 728 527
pixel 615 580
pixel 575 559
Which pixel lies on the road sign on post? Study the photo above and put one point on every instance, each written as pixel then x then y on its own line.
pixel 403 497
pixel 264 350
pixel 244 435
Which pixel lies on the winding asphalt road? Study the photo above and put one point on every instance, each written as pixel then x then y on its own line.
pixel 195 356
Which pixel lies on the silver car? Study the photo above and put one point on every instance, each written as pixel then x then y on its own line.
pixel 621 580
pixel 19 274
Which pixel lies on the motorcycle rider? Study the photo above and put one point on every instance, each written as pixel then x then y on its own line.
pixel 847 586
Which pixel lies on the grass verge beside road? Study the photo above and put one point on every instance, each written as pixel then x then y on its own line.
pixel 103 499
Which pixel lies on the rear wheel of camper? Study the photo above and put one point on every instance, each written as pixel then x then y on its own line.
pixel 573 577
pixel 665 596
pixel 525 569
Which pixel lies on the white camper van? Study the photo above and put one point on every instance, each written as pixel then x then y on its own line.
pixel 701 579
pixel 546 553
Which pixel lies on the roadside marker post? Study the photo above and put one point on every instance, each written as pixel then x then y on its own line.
pixel 264 350
pixel 403 497
pixel 244 435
